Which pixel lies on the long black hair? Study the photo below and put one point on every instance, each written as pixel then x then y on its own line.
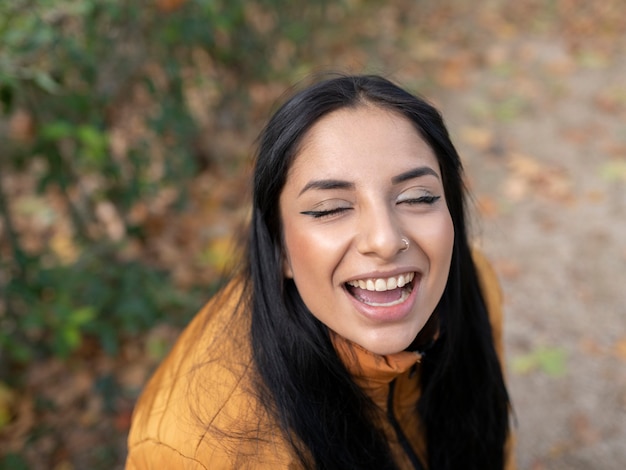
pixel 330 422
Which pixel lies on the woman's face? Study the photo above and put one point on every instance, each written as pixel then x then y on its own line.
pixel 363 181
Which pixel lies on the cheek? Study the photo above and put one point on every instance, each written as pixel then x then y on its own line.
pixel 438 243
pixel 447 236
pixel 298 246
pixel 310 255
pixel 446 242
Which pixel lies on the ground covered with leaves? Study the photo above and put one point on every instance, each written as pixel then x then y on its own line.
pixel 534 94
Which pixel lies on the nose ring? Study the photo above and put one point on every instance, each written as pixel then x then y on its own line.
pixel 406 244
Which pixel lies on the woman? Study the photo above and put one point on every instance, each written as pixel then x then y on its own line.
pixel 363 332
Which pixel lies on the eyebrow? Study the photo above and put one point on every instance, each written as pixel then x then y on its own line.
pixel 327 184
pixel 414 173
pixel 347 185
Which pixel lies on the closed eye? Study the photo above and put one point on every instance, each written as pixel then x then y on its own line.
pixel 326 213
pixel 427 199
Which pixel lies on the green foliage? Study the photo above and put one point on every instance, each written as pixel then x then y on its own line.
pixel 14 462
pixel 86 75
pixel 551 361
pixel 97 295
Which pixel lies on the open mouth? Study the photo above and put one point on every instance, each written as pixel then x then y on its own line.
pixel 382 292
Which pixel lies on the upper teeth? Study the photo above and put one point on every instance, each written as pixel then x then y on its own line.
pixel 382 284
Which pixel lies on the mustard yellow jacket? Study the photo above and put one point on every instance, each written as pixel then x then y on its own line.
pixel 200 411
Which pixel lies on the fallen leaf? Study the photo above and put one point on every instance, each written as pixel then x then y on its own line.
pixel 615 170
pixel 478 137
pixel 592 59
pixel 7 402
pixel 585 433
pixel 453 73
pixel 123 419
pixel 615 150
pixel 619 349
pixel 530 176
pixel 220 252
pixel 551 361
pixel 110 218
pixel 488 206
pixel 64 247
pixel 615 95
pixel 64 465
pixel 596 197
pixel 591 347
pixel 22 126
pixel 507 268
pixel 168 6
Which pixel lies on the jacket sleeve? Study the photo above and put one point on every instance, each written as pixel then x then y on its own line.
pixel 494 300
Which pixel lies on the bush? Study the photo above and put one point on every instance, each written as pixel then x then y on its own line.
pixel 102 103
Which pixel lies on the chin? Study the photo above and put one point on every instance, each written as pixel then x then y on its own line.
pixel 393 340
pixel 386 347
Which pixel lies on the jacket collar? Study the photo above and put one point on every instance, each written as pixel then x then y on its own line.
pixel 372 371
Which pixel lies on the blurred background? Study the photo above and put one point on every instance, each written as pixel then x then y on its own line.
pixel 126 136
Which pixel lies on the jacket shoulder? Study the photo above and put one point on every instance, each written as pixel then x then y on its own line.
pixel 494 299
pixel 492 294
pixel 200 407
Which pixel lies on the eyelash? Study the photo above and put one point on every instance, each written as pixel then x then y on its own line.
pixel 328 213
pixel 421 200
pixel 429 200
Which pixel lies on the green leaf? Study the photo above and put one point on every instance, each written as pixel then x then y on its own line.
pixel 551 361
pixel 94 142
pixel 46 83
pixel 14 462
pixel 82 316
pixel 57 130
pixel 67 339
pixel 614 170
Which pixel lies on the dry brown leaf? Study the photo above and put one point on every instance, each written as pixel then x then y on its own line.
pixel 488 206
pixel 507 268
pixel 585 433
pixel 596 197
pixel 21 126
pixel 123 419
pixel 538 465
pixel 453 74
pixel 615 150
pixel 516 188
pixel 168 6
pixel 7 402
pixel 619 349
pixel 591 347
pixel 110 218
pixel 579 135
pixel 64 465
pixel 478 137
pixel 524 165
pixel 219 253
pixel 528 175
pixel 15 433
pixel 64 247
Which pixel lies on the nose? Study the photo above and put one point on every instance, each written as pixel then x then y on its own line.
pixel 380 234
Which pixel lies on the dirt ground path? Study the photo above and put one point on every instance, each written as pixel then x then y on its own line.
pixel 534 94
pixel 542 129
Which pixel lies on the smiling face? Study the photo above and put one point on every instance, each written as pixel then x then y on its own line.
pixel 363 183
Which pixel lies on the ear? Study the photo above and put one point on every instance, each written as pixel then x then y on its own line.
pixel 287 271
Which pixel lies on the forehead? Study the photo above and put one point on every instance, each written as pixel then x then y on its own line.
pixel 352 141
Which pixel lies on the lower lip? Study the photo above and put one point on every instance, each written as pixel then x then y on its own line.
pixel 386 314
